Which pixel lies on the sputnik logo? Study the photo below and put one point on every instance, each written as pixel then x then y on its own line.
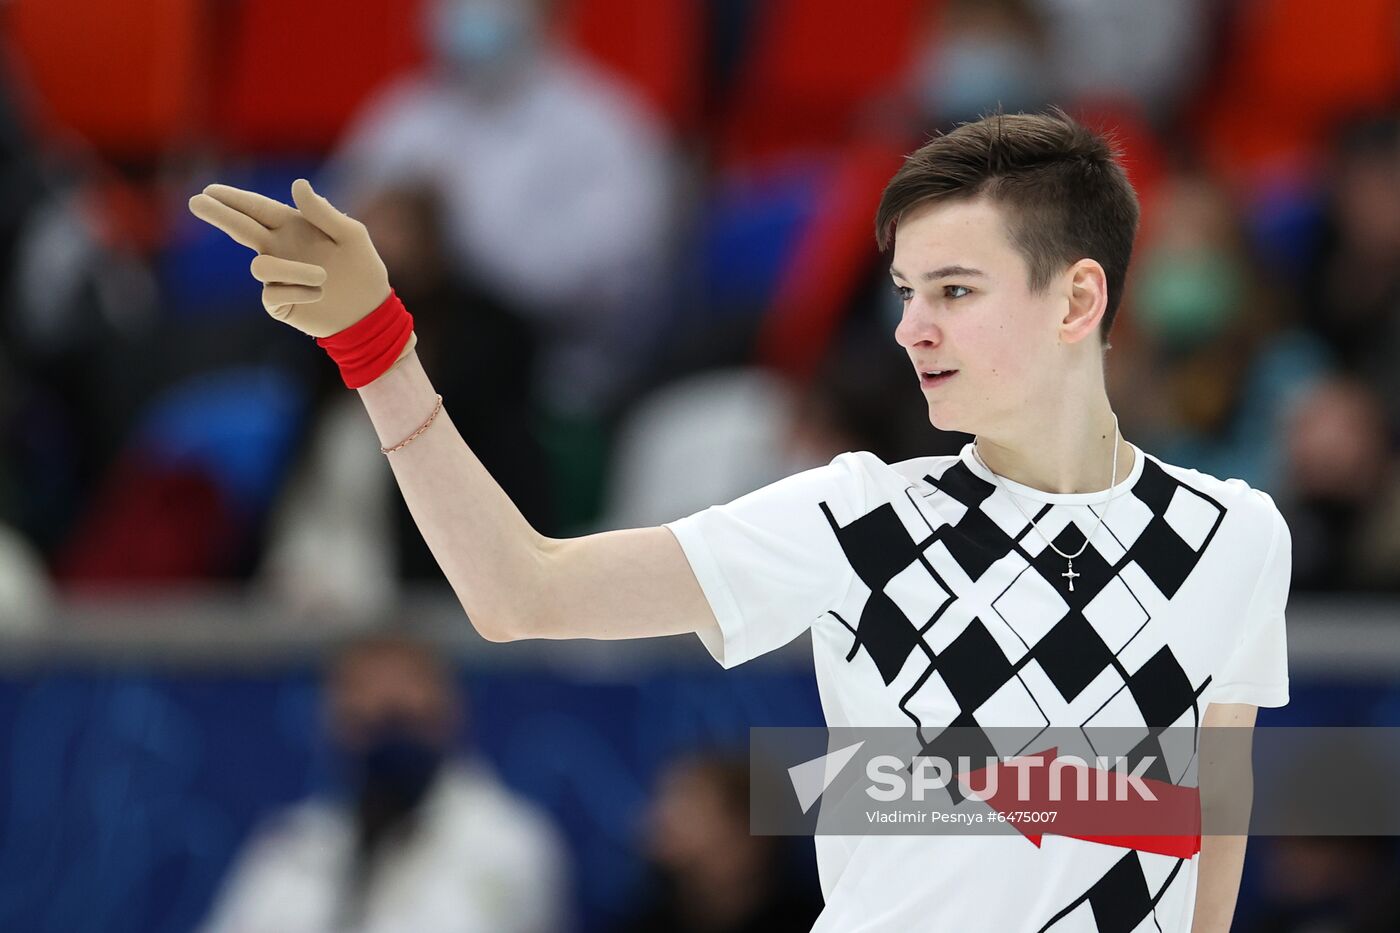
pixel 811 778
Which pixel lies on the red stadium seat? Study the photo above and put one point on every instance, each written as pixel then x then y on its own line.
pixel 1296 67
pixel 279 99
pixel 656 47
pixel 129 77
pixel 812 68
pixel 827 263
pixel 152 523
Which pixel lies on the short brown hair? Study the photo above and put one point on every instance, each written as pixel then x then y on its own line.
pixel 1065 194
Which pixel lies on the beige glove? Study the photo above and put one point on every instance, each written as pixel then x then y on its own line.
pixel 319 270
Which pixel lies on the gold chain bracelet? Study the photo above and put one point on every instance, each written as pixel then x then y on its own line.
pixel 437 407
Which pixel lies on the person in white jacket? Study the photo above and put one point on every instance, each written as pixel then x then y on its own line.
pixel 424 840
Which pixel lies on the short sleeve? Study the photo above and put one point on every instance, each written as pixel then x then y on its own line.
pixel 770 562
pixel 1256 672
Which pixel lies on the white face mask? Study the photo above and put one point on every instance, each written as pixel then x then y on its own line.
pixel 479 38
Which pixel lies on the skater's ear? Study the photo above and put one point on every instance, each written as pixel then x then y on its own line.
pixel 1084 287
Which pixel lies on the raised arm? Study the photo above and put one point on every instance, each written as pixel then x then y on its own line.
pixel 322 275
pixel 512 581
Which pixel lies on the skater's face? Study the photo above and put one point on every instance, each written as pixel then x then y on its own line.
pixel 969 309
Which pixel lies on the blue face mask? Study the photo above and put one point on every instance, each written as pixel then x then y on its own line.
pixel 395 764
pixel 478 37
pixel 966 78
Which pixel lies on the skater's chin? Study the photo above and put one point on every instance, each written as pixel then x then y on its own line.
pixel 944 418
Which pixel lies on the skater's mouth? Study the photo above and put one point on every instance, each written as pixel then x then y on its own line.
pixel 929 378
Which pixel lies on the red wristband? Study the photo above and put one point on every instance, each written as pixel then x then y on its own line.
pixel 365 350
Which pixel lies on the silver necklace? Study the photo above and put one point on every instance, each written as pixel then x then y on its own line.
pixel 1069 574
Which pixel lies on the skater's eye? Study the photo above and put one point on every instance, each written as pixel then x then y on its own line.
pixel 905 293
pixel 949 289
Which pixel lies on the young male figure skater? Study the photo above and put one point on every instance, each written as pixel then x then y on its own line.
pixel 1051 573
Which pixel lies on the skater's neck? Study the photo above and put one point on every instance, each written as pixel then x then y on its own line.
pixel 1060 445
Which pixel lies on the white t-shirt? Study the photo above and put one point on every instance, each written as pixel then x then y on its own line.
pixel 932 602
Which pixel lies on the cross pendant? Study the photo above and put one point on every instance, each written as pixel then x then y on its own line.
pixel 1070 574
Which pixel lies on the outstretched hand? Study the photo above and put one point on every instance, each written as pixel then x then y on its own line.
pixel 319 270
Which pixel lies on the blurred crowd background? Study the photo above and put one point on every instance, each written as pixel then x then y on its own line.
pixel 637 239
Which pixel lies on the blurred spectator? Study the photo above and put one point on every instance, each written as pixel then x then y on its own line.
pixel 330 549
pixel 1343 490
pixel 555 184
pixel 1205 363
pixel 865 397
pixel 752 427
pixel 79 314
pixel 1330 884
pixel 20 171
pixel 342 499
pixel 734 420
pixel 424 838
pixel 26 596
pixel 709 874
pixel 1354 292
pixel 980 56
pixel 481 353
pixel 1137 50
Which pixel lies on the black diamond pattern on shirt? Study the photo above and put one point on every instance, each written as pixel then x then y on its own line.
pixel 1162 691
pixel 1072 654
pixel 1159 550
pixel 1150 748
pixel 1121 900
pixel 979 544
pixel 1094 572
pixel 973 666
pixel 878 546
pixel 887 634
pixel 963 738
